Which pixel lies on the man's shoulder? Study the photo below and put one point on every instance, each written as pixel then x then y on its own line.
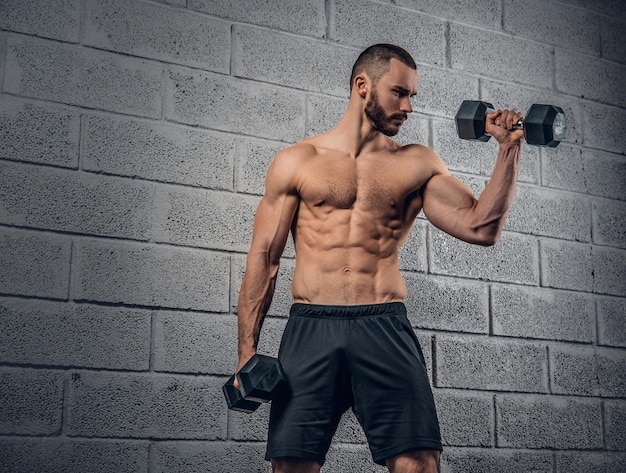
pixel 415 150
pixel 419 154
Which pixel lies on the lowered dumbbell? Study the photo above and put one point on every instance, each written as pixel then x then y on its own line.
pixel 543 125
pixel 258 380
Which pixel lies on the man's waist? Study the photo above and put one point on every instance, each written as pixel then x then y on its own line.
pixel 347 311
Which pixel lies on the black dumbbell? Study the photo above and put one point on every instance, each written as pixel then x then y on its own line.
pixel 544 125
pixel 258 380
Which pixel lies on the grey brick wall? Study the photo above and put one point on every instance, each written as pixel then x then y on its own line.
pixel 134 139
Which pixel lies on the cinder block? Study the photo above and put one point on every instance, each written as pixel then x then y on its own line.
pixel 33 264
pixel 486 13
pixel 611 322
pixel 84 77
pixel 447 304
pixel 590 462
pixel 349 458
pixel 230 104
pixel 455 460
pixel 206 219
pixel 574 370
pixel 465 419
pixel 349 430
pixel 413 253
pixel 191 457
pixel 38 133
pixel 478 157
pixel 426 344
pixel 614 424
pixel 570 28
pixel 564 168
pixel 539 211
pixel 518 60
pixel 542 313
pixel 590 78
pixel 566 265
pixel 363 23
pixel 609 271
pixel 441 91
pixel 25 455
pixel 195 343
pixel 63 200
pixel 296 62
pixel 613 39
pixel 253 159
pixel 548 422
pixel 600 123
pixel 303 17
pixel 282 300
pixel 249 427
pixel 414 130
pixel 612 372
pixel 513 259
pixel 58 20
pixel 49 333
pixel 520 98
pixel 160 152
pixel 32 401
pixel 148 275
pixel 145 406
pixel 609 222
pixel 490 364
pixel 324 112
pixel 162 33
pixel 605 174
pixel 271 334
pixel 610 8
pixel 179 3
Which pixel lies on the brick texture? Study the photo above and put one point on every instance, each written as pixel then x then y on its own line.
pixel 134 140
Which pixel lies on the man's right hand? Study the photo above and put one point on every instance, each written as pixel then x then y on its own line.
pixel 243 359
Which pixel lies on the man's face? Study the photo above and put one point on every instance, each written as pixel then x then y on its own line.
pixel 390 98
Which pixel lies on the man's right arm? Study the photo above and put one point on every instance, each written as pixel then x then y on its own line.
pixel 271 227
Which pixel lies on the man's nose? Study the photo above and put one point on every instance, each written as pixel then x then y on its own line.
pixel 406 105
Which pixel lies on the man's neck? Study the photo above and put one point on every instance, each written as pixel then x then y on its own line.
pixel 355 134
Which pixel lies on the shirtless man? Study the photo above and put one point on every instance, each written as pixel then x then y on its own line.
pixel 350 196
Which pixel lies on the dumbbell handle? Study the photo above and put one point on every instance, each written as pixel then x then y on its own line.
pixel 517 126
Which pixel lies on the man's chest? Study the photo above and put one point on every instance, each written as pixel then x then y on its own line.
pixel 368 185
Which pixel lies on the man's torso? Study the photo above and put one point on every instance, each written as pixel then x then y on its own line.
pixel 352 217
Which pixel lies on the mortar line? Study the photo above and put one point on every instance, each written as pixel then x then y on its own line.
pixel 494 435
pixel 65 407
pixel 4 47
pixel 153 316
pixel 490 310
pixel 329 9
pixel 447 53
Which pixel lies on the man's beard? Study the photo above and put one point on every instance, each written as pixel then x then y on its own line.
pixel 380 120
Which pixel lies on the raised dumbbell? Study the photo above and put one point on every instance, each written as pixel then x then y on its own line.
pixel 544 125
pixel 258 380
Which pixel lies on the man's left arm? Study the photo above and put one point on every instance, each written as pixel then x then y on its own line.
pixel 451 206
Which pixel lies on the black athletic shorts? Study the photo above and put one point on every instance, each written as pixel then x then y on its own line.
pixel 365 357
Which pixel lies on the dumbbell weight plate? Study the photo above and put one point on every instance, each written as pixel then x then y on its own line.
pixel 544 125
pixel 234 399
pixel 470 120
pixel 259 377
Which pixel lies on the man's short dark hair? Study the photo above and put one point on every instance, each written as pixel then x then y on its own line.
pixel 375 61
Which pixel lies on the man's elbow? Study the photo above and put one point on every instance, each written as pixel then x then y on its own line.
pixel 487 236
pixel 488 241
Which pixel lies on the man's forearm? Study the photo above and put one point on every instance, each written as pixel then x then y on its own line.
pixel 492 208
pixel 255 297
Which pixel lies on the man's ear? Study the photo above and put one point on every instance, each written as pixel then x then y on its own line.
pixel 360 85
